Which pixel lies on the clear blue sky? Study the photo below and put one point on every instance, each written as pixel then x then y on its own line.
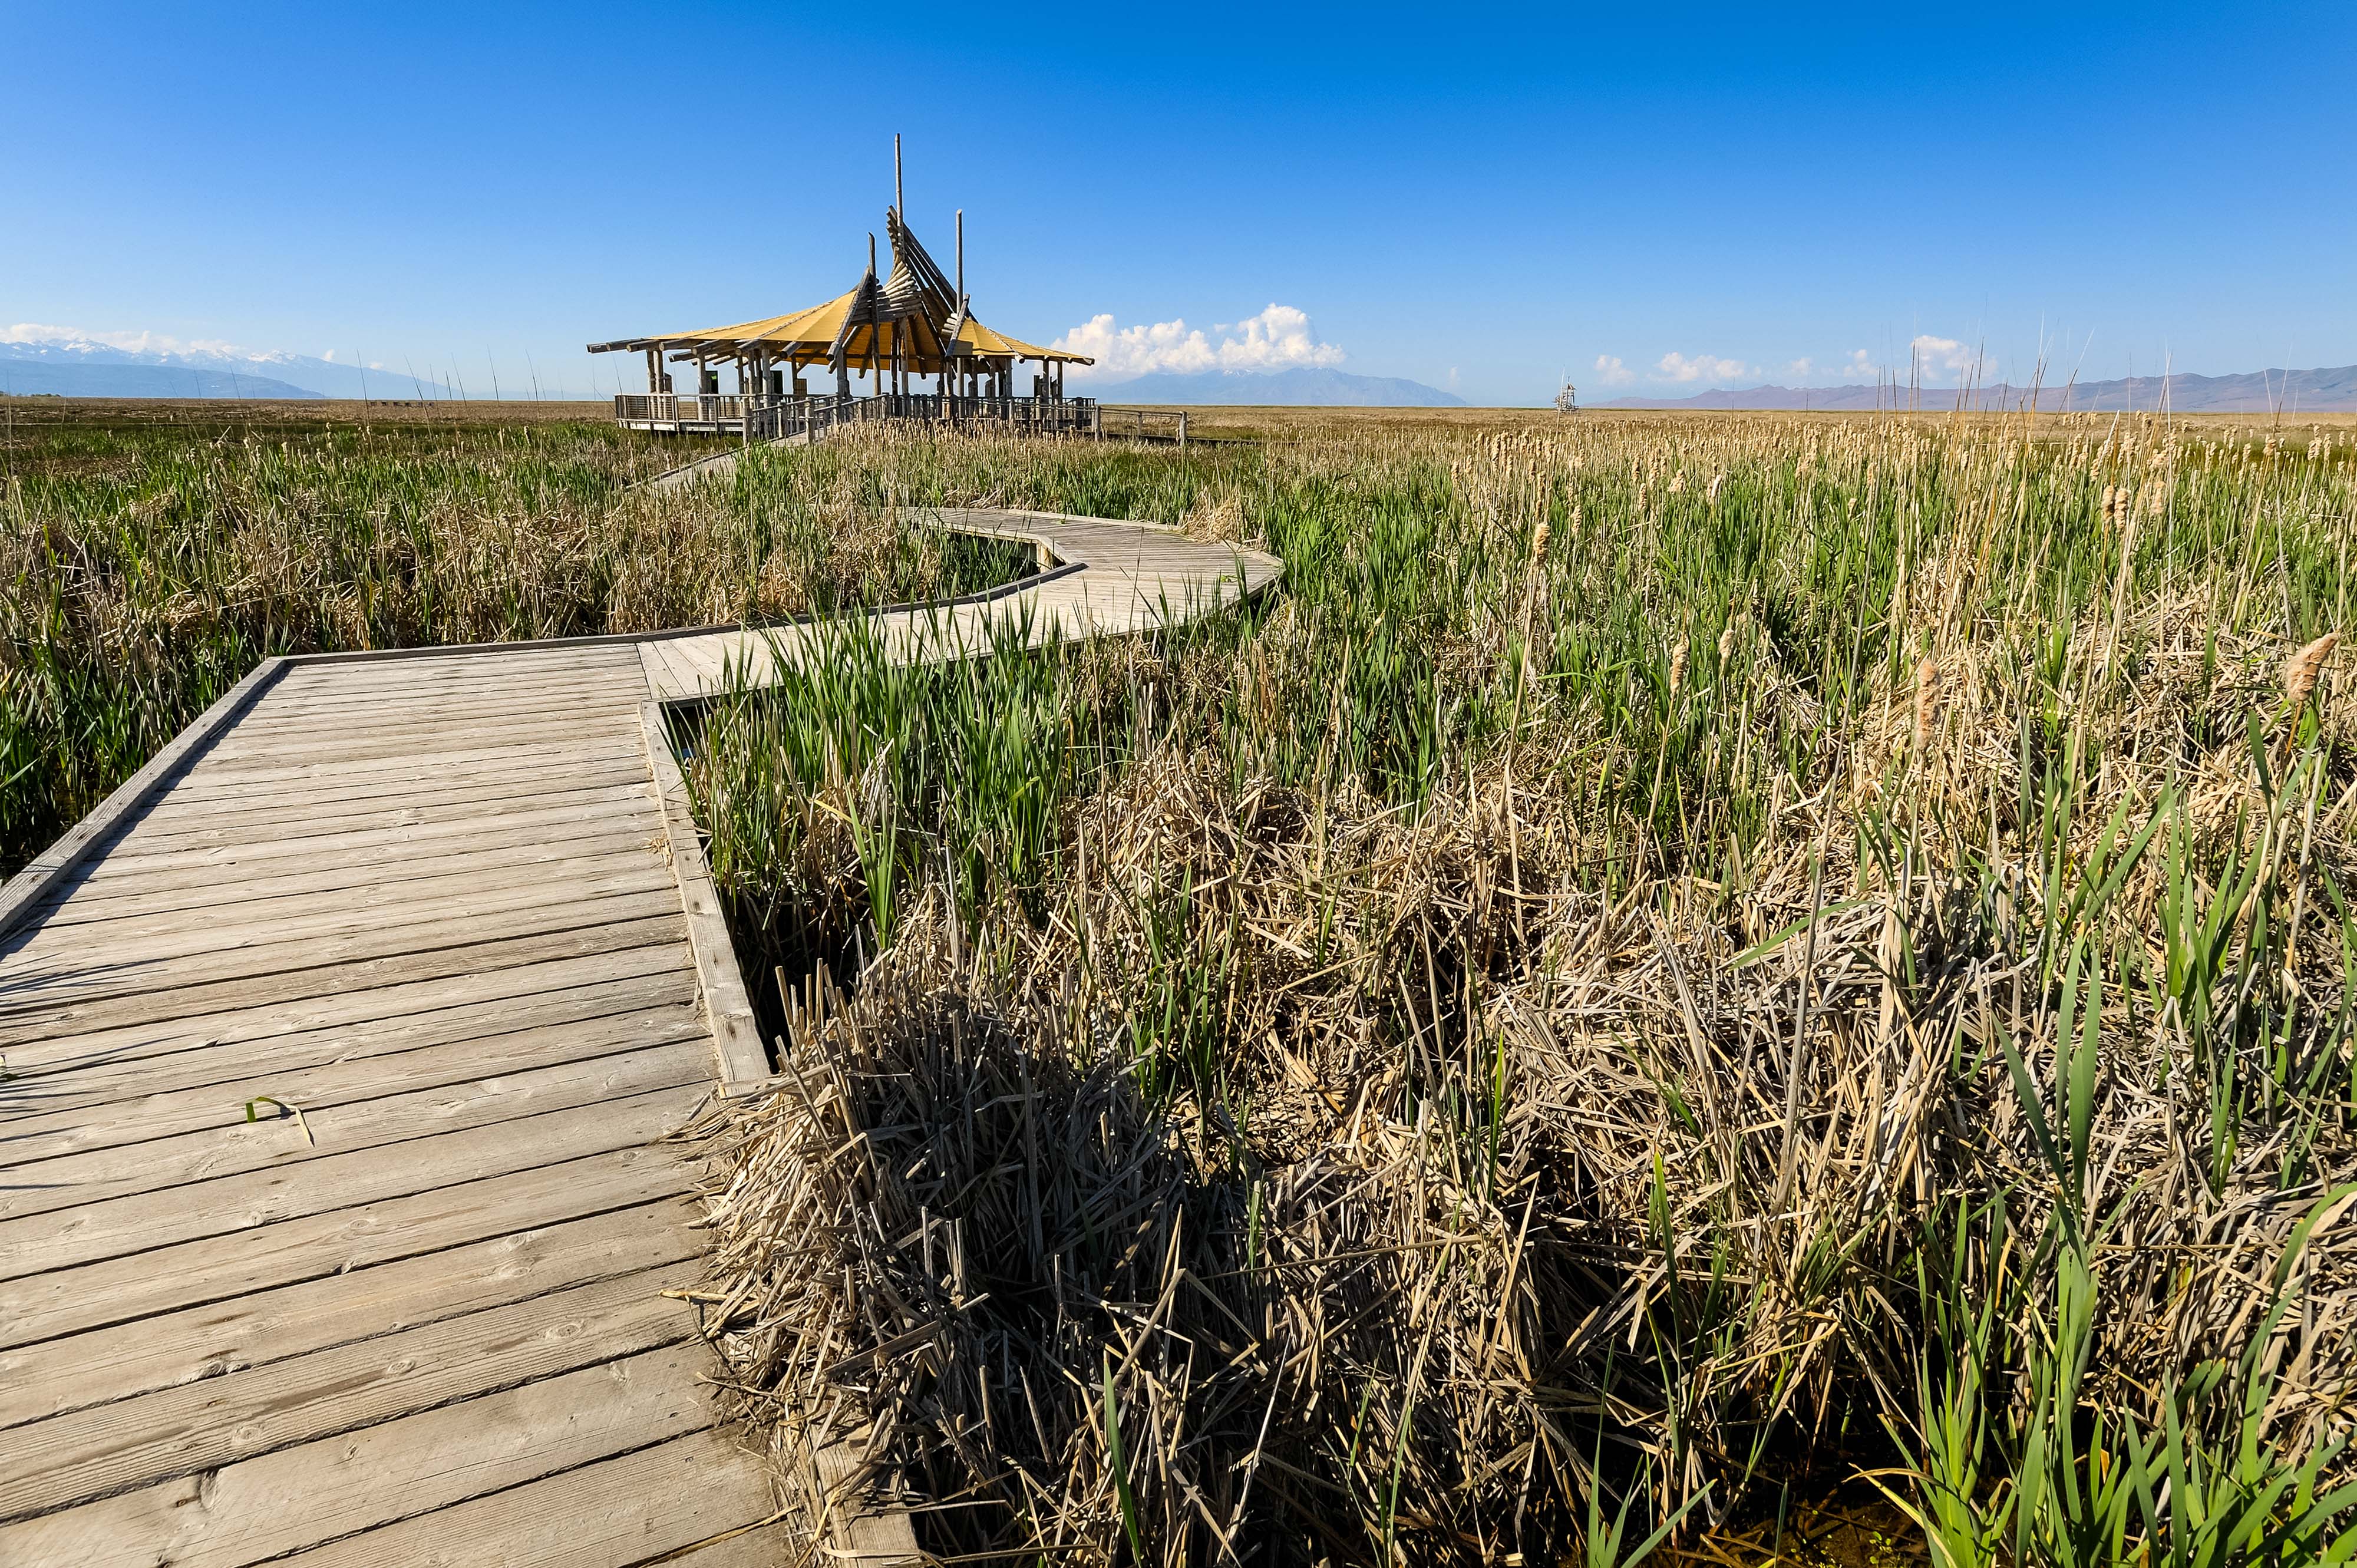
pixel 1496 195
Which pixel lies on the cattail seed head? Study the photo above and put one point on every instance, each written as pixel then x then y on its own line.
pixel 1927 701
pixel 2302 669
pixel 2301 672
pixel 1678 670
pixel 1539 546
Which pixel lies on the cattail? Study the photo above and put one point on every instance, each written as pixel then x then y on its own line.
pixel 1678 482
pixel 1678 669
pixel 1539 546
pixel 1927 701
pixel 1717 482
pixel 2301 670
pixel 1726 644
pixel 2300 673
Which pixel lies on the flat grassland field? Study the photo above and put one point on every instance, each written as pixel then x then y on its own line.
pixel 1786 979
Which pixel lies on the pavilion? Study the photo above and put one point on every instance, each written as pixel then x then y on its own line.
pixel 914 325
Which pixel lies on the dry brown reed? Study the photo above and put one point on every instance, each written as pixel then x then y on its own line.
pixel 1314 1173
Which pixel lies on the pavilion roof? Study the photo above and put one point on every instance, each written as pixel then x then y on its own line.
pixel 914 310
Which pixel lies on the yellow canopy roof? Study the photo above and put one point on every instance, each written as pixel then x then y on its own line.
pixel 981 339
pixel 809 336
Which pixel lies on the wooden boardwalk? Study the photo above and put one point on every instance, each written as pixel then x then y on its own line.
pixel 437 923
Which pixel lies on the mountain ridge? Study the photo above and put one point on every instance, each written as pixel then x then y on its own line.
pixel 2324 391
pixel 83 367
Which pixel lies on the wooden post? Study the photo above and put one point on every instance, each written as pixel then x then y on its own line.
pixel 655 371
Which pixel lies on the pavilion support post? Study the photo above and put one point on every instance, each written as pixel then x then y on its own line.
pixel 655 371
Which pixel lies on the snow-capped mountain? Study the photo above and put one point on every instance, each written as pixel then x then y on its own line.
pixel 49 359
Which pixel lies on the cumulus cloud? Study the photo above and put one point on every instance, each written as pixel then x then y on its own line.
pixel 1612 372
pixel 1677 367
pixel 1860 367
pixel 1277 337
pixel 1938 357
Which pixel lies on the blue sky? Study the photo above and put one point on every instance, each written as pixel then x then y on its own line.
pixel 1482 198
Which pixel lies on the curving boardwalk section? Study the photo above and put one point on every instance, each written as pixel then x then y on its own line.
pixel 334 1228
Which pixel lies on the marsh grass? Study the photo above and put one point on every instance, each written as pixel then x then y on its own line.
pixel 1841 960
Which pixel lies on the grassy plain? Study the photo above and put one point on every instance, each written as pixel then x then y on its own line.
pixel 1719 972
pixel 1748 968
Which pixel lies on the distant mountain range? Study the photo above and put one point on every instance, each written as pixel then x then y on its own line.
pixel 1318 388
pixel 78 367
pixel 2253 391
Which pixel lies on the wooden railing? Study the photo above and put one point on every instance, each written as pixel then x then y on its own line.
pixel 761 418
pixel 681 408
pixel 1144 424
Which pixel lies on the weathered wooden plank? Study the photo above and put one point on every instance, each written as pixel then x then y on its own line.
pixel 362 740
pixel 163 892
pixel 266 1507
pixel 157 1098
pixel 134 1289
pixel 290 823
pixel 39 1032
pixel 409 1009
pixel 121 944
pixel 187 1164
pixel 617 869
pixel 85 1454
pixel 636 1508
pixel 119 1227
pixel 259 1329
pixel 165 986
pixel 279 759
pixel 421 669
pixel 441 788
pixel 330 692
pixel 454 757
pixel 622 814
pixel 491 711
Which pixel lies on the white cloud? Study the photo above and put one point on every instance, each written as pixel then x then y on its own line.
pixel 1677 367
pixel 1860 367
pixel 1939 357
pixel 1612 372
pixel 1277 337
pixel 1801 369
